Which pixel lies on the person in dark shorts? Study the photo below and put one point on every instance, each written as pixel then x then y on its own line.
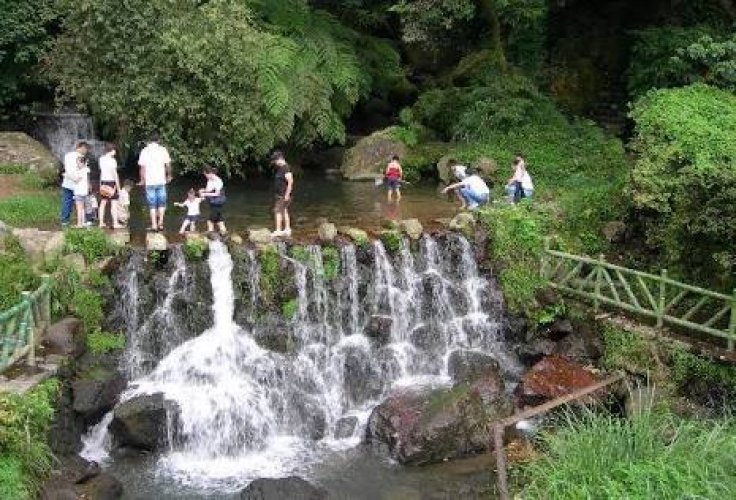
pixel 392 178
pixel 214 193
pixel 109 186
pixel 283 187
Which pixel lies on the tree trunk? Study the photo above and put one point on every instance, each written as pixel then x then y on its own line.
pixel 489 11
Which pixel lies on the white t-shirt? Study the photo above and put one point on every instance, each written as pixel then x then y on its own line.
pixel 71 172
pixel 192 206
pixel 124 198
pixel 108 168
pixel 214 185
pixel 81 188
pixel 476 184
pixel 521 174
pixel 154 159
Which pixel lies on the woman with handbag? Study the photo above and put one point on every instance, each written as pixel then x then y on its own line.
pixel 214 193
pixel 109 186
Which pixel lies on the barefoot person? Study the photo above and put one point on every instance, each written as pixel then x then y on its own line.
pixel 109 186
pixel 155 172
pixel 73 161
pixel 393 177
pixel 214 192
pixel 473 190
pixel 192 204
pixel 124 203
pixel 520 185
pixel 283 187
pixel 81 192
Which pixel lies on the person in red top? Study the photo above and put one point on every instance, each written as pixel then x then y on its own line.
pixel 392 178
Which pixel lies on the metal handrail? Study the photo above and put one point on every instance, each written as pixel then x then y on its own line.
pixel 652 295
pixel 20 326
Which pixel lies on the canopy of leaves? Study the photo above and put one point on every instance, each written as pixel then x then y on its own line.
pixel 221 80
pixel 684 181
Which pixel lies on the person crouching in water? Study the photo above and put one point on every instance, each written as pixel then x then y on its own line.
pixel 214 192
pixel 283 187
pixel 472 189
pixel 393 177
pixel 520 185
pixel 192 205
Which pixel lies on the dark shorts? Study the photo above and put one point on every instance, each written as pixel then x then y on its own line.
pixel 112 184
pixel 215 213
pixel 392 183
pixel 281 205
pixel 192 218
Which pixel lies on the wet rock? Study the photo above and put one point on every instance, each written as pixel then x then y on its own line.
pixel 66 337
pixel 67 427
pixel 259 237
pixel 327 232
pixel 119 237
pixel 96 393
pixel 430 340
pixel 358 236
pixel 579 347
pixel 412 228
pixel 102 487
pixel 60 484
pixel 378 329
pixel 308 416
pixel 615 231
pixel 345 427
pixel 560 328
pixel 281 341
pixel 291 488
pixel 17 148
pixel 362 383
pixel 463 222
pixel 534 351
pixel 368 158
pixel 552 377
pixel 156 242
pixel 59 491
pixel 142 422
pixel 420 427
pixel 236 239
pixel 468 366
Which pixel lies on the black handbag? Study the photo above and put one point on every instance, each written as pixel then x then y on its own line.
pixel 218 200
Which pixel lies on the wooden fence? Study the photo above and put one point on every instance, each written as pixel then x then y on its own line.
pixel 20 326
pixel 650 295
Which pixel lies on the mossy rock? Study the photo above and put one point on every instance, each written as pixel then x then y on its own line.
pixel 368 158
pixel 17 148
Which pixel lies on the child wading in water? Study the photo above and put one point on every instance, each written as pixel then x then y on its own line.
pixel 192 205
pixel 123 207
pixel 393 177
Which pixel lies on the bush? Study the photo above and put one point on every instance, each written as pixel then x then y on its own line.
pixel 625 350
pixel 25 457
pixel 603 456
pixel 30 209
pixel 99 342
pixel 684 180
pixel 91 243
pixel 195 248
pixel 16 273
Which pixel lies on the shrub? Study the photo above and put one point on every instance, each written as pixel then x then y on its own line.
pixel 289 309
pixel 91 243
pixel 30 209
pixel 25 457
pixel 331 262
pixel 16 273
pixel 391 240
pixel 650 456
pixel 195 248
pixel 99 342
pixel 625 350
pixel 684 180
pixel 270 263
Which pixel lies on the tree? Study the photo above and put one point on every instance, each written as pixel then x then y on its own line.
pixel 222 80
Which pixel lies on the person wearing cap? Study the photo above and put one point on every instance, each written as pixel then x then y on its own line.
pixel 283 188
pixel 471 188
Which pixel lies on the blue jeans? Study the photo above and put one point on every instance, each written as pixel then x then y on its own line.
pixel 473 199
pixel 156 196
pixel 67 204
pixel 511 193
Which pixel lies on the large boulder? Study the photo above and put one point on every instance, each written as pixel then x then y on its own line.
pixel 17 148
pixel 66 337
pixel 96 392
pixel 40 245
pixel 553 377
pixel 412 228
pixel 156 242
pixel 345 427
pixel 101 487
pixel 422 427
pixel 468 366
pixel 142 422
pixel 368 158
pixel 327 232
pixel 260 237
pixel 291 488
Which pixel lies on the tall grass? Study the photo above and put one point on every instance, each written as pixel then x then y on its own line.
pixel 30 209
pixel 601 456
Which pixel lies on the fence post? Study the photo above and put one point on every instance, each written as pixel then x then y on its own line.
pixel 545 258
pixel 28 328
pixel 732 323
pixel 662 303
pixel 598 278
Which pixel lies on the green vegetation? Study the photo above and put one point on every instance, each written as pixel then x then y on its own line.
pixel 391 240
pixel 12 169
pixel 24 455
pixel 92 244
pixel 598 455
pixel 270 263
pixel 30 209
pixel 16 273
pixel 99 342
pixel 289 309
pixel 300 253
pixel 195 248
pixel 625 350
pixel 331 262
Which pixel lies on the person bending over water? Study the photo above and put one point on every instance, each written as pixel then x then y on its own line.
pixel 192 205
pixel 520 184
pixel 155 171
pixel 393 177
pixel 214 192
pixel 472 189
pixel 283 187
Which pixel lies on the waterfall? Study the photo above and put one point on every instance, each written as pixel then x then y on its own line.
pixel 61 131
pixel 248 412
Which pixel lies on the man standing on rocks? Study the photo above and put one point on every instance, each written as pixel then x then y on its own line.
pixel 155 171
pixel 74 162
pixel 283 187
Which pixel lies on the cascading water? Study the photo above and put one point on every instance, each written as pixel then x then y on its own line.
pixel 248 412
pixel 61 131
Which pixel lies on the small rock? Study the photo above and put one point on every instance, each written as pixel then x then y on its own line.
pixel 468 366
pixel 379 329
pixel 66 337
pixel 560 328
pixel 552 377
pixel 288 488
pixel 345 427
pixel 156 242
pixel 259 237
pixel 615 232
pixel 102 487
pixel 327 232
pixel 76 262
pixel 236 239
pixel 96 394
pixel 463 222
pixel 358 236
pixel 412 228
pixel 536 350
pixel 142 422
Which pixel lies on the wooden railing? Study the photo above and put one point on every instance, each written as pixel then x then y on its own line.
pixel 651 295
pixel 20 326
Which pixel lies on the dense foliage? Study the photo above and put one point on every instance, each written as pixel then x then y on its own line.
pixel 16 274
pixel 222 80
pixel 684 181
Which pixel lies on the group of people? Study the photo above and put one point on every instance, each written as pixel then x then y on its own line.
pixel 470 188
pixel 154 164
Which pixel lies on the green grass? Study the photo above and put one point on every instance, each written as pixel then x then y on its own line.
pixel 30 209
pixel 195 248
pixel 625 350
pixel 16 272
pixel 331 262
pixel 289 309
pixel 12 169
pixel 100 342
pixel 91 243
